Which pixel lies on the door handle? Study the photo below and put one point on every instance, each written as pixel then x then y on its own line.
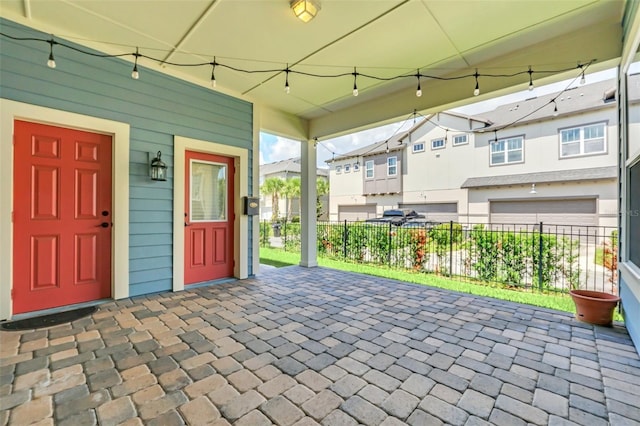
pixel 187 224
pixel 104 225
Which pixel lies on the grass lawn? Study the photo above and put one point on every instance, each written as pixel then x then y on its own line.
pixel 561 302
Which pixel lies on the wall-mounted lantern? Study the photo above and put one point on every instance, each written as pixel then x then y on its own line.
pixel 158 168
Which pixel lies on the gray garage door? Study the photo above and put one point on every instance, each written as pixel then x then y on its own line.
pixel 358 212
pixel 437 212
pixel 558 212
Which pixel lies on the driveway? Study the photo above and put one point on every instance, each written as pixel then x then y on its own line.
pixel 317 346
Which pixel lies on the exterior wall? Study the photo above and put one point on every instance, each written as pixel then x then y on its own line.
pixel 156 107
pixel 381 182
pixel 345 188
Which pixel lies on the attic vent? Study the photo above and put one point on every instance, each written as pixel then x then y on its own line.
pixel 609 95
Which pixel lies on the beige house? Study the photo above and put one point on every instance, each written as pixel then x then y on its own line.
pixel 557 165
pixel 285 169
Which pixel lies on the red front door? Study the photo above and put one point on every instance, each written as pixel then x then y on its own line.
pixel 208 238
pixel 61 217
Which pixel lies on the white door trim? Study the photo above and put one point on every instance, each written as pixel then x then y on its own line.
pixel 240 185
pixel 11 111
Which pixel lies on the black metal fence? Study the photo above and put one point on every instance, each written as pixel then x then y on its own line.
pixel 539 257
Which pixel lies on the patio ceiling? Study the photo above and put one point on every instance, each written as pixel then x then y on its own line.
pixel 383 37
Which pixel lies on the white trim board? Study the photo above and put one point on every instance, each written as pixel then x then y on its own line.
pixel 11 111
pixel 241 222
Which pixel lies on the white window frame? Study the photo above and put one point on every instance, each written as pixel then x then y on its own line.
pixel 466 139
pixel 582 140
pixel 418 147
pixel 356 167
pixel 506 151
pixel 338 170
pixel 433 141
pixel 369 167
pixel 347 168
pixel 395 166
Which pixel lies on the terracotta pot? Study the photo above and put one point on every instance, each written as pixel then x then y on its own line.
pixel 594 307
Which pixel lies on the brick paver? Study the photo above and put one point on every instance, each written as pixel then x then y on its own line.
pixel 299 346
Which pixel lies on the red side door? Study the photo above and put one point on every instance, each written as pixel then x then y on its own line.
pixel 208 239
pixel 61 217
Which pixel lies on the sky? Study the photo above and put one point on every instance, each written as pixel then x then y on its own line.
pixel 275 148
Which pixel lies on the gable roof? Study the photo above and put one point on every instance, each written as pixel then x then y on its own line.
pixel 291 165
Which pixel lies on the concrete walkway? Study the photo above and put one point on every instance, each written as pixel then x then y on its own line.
pixel 299 346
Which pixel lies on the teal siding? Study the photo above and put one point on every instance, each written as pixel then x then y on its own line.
pixel 156 106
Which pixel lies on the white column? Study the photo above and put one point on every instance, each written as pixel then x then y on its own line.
pixel 308 232
pixel 255 237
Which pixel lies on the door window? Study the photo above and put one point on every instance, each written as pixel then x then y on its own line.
pixel 208 191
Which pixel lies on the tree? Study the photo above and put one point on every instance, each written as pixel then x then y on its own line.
pixel 322 189
pixel 291 190
pixel 273 186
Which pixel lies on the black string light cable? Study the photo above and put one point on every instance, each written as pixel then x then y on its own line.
pixel 288 70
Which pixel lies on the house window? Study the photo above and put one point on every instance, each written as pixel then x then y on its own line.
pixel 347 168
pixel 338 170
pixel 583 140
pixel 368 169
pixel 507 151
pixel 392 166
pixel 356 167
pixel 460 139
pixel 437 143
pixel 418 147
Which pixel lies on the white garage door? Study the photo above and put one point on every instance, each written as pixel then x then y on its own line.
pixel 557 212
pixel 358 212
pixel 436 212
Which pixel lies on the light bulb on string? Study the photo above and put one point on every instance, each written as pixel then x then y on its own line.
pixel 387 150
pixel 355 85
pixel 213 73
pixel 530 79
pixel 419 89
pixel 135 74
pixel 51 63
pixel 555 108
pixel 476 91
pixel 582 79
pixel 287 89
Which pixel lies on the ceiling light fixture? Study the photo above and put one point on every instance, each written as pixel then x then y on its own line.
pixel 305 10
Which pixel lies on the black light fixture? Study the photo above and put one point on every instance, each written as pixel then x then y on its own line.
pixel 158 168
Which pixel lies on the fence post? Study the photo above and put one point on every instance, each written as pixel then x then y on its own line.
pixel 264 233
pixel 284 231
pixel 540 257
pixel 450 248
pixel 389 247
pixel 344 239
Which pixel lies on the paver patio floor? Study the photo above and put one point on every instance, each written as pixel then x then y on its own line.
pixel 316 346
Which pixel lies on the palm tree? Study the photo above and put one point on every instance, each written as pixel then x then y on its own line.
pixel 292 191
pixel 322 189
pixel 273 186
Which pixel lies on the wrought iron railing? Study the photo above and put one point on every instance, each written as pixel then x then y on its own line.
pixel 538 257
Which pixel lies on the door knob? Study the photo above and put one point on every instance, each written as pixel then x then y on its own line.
pixel 104 224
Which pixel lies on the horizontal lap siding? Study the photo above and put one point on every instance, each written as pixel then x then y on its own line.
pixel 156 106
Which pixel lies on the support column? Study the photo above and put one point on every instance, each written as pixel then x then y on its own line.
pixel 308 218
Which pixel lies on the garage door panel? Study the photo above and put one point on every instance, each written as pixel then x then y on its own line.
pixel 582 212
pixel 355 213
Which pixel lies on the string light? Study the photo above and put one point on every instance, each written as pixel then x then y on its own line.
pixel 213 73
pixel 287 89
pixel 555 108
pixel 51 63
pixel 134 74
pixel 355 85
pixel 582 79
pixel 476 91
pixel 387 150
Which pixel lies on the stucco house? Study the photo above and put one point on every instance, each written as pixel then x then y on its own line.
pixel 558 165
pixel 286 169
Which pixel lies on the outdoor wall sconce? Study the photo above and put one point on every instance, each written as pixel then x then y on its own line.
pixel 305 10
pixel 158 168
